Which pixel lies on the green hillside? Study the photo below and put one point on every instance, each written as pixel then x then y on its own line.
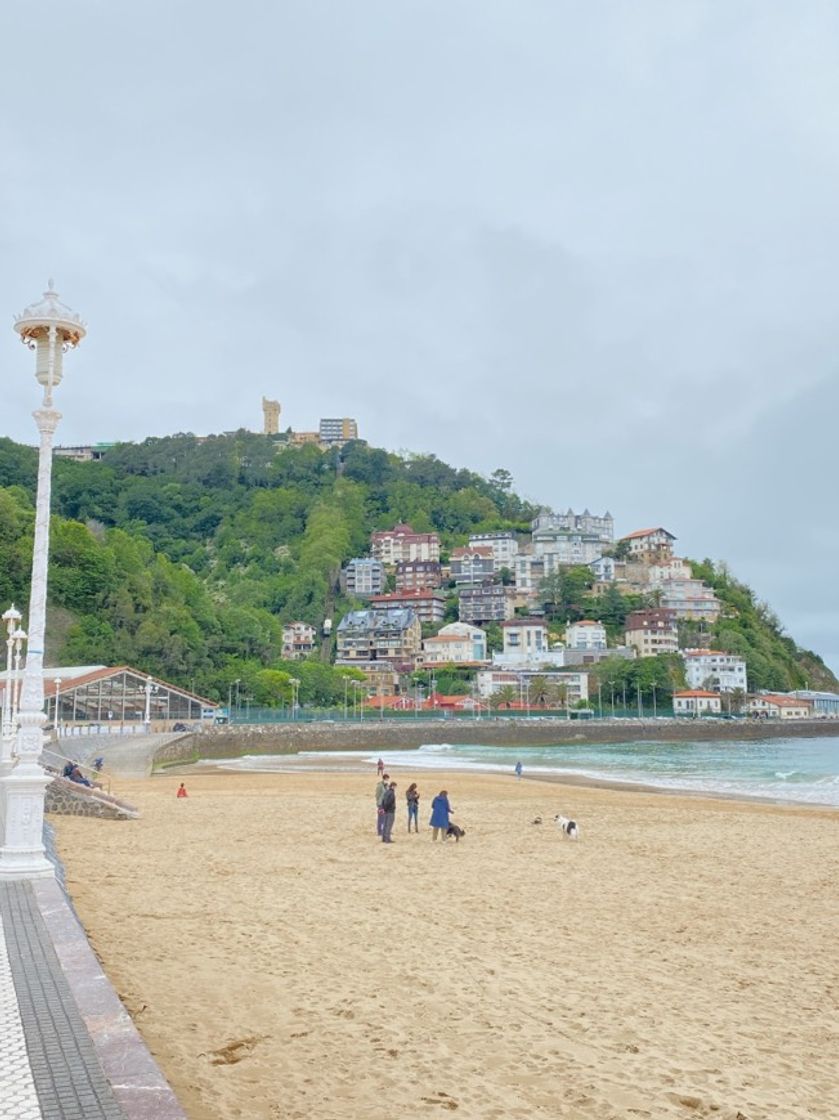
pixel 184 556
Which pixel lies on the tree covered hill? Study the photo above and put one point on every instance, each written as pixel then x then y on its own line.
pixel 184 556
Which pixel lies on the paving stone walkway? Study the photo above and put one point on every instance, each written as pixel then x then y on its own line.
pixel 68 1049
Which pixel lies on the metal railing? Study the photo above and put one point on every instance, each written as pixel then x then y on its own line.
pixel 47 754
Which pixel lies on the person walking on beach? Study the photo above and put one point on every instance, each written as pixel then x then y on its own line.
pixel 380 767
pixel 181 791
pixel 519 768
pixel 388 812
pixel 440 810
pixel 381 787
pixel 412 796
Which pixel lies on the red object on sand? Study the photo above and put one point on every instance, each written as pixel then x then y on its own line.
pixel 182 791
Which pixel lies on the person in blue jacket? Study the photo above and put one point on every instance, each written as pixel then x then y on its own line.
pixel 440 810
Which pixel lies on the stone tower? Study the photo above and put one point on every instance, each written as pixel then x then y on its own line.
pixel 271 417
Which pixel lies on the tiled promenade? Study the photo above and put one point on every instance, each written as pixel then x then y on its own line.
pixel 68 1049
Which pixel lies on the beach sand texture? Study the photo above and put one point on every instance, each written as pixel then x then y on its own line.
pixel 680 960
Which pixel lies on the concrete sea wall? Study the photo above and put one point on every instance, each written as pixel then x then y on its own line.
pixel 373 735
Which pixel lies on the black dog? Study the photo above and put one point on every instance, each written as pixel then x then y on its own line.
pixel 456 831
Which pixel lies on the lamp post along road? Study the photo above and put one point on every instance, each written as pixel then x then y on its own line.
pixel 49 329
pixel 12 619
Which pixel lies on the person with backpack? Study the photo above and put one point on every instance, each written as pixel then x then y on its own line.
pixel 381 788
pixel 388 812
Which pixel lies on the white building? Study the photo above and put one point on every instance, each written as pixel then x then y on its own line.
pixel 585 523
pixel 493 680
pixel 653 545
pixel 568 549
pixel 769 706
pixel 585 635
pixel 690 599
pixel 298 640
pixel 401 543
pixel 456 644
pixel 504 547
pixel 712 669
pixel 696 702
pixel 525 636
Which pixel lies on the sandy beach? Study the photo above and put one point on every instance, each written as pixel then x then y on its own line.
pixel 678 961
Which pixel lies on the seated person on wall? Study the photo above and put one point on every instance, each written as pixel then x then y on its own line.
pixel 76 775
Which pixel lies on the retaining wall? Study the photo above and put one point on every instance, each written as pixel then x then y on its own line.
pixel 373 734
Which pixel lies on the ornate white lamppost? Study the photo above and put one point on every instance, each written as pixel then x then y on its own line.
pixel 49 329
pixel 12 619
pixel 151 687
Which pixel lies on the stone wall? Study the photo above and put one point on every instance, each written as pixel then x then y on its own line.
pixel 375 735
pixel 68 798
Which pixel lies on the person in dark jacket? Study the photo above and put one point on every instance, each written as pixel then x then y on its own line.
pixel 413 797
pixel 389 812
pixel 440 810
pixel 381 788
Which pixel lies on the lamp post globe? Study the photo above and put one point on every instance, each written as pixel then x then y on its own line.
pixel 50 329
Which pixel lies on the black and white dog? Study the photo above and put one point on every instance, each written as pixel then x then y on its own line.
pixel 456 831
pixel 567 827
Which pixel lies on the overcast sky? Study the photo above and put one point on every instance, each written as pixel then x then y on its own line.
pixel 594 243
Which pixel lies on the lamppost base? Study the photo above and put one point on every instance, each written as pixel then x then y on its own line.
pixel 22 856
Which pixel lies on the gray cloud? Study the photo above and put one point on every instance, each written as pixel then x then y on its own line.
pixel 596 244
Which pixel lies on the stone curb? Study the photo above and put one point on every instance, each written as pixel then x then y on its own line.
pixel 137 1083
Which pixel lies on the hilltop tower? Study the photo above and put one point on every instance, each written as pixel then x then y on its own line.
pixel 271 417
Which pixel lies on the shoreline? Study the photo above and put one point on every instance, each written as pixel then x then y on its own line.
pixel 572 780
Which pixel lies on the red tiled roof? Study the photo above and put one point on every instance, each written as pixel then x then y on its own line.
pixel 646 533
pixel 696 692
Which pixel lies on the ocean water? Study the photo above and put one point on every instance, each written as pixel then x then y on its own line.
pixel 789 770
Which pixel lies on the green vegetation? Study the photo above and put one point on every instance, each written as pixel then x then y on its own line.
pixel 751 629
pixel 185 556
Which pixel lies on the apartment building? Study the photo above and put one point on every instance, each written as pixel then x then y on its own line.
pixel 526 636
pixel 493 680
pixel 363 576
pixel 585 635
pixel 489 602
pixel 401 543
pixel 299 640
pixel 428 605
pixel 472 565
pixel 585 523
pixel 390 634
pixel 338 430
pixel 459 643
pixel 652 632
pixel 412 575
pixel 715 670
pixel 503 544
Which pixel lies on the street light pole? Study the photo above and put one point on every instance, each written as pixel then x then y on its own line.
pixel 12 619
pixel 57 720
pixel 49 329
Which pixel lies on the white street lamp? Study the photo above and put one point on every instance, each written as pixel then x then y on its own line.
pixel 295 696
pixel 150 688
pixel 57 720
pixel 12 619
pixel 49 329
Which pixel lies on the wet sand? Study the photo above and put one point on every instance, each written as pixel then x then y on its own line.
pixel 679 960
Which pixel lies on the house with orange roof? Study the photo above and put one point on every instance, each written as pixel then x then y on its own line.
pixel 650 545
pixel 770 706
pixel 696 702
